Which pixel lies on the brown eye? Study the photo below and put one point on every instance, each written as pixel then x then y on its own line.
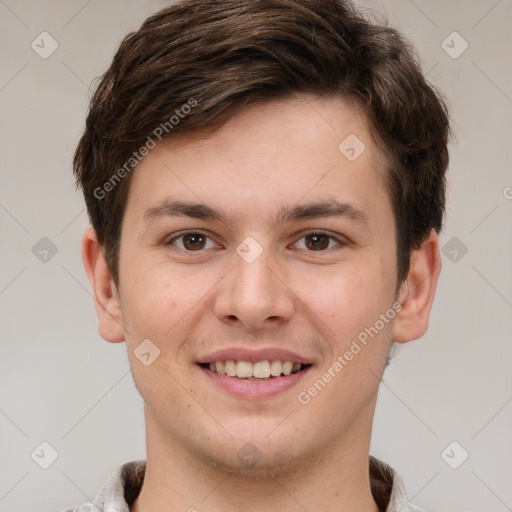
pixel 194 241
pixel 317 242
pixel 320 241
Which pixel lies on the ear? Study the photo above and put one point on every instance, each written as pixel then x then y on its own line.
pixel 416 293
pixel 106 296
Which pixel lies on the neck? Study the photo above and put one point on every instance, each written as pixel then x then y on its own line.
pixel 336 479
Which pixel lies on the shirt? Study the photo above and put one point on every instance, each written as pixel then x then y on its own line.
pixel 123 488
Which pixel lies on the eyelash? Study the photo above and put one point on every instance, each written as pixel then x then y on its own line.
pixel 340 242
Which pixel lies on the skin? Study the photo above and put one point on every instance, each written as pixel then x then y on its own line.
pixel 313 302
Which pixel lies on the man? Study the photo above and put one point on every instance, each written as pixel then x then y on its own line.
pixel 266 184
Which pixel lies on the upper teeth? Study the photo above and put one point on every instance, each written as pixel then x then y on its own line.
pixel 259 370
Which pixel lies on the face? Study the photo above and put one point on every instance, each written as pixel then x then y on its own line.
pixel 260 249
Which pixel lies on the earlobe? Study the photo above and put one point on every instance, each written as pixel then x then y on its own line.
pixel 417 292
pixel 106 297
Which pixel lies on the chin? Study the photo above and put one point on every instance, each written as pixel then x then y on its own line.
pixel 258 455
pixel 254 463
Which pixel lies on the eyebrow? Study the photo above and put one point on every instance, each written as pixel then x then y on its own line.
pixel 183 209
pixel 331 208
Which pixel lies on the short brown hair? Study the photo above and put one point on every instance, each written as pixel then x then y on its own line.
pixel 222 56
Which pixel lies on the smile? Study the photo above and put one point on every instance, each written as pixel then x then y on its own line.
pixel 254 380
pixel 255 371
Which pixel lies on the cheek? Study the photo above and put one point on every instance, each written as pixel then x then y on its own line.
pixel 156 303
pixel 349 315
pixel 345 301
pixel 152 309
pixel 159 299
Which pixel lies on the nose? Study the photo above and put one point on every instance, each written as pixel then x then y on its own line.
pixel 254 294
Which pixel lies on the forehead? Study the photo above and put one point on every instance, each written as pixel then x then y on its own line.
pixel 269 156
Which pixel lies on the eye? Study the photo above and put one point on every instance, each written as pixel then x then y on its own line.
pixel 318 241
pixel 192 241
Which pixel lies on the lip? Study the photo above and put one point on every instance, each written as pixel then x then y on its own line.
pixel 253 389
pixel 253 356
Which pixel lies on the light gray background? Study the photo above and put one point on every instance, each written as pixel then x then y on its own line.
pixel 61 383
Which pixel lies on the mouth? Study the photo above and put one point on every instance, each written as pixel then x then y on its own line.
pixel 254 371
pixel 254 374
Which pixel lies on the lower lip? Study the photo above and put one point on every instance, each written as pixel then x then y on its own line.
pixel 253 389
